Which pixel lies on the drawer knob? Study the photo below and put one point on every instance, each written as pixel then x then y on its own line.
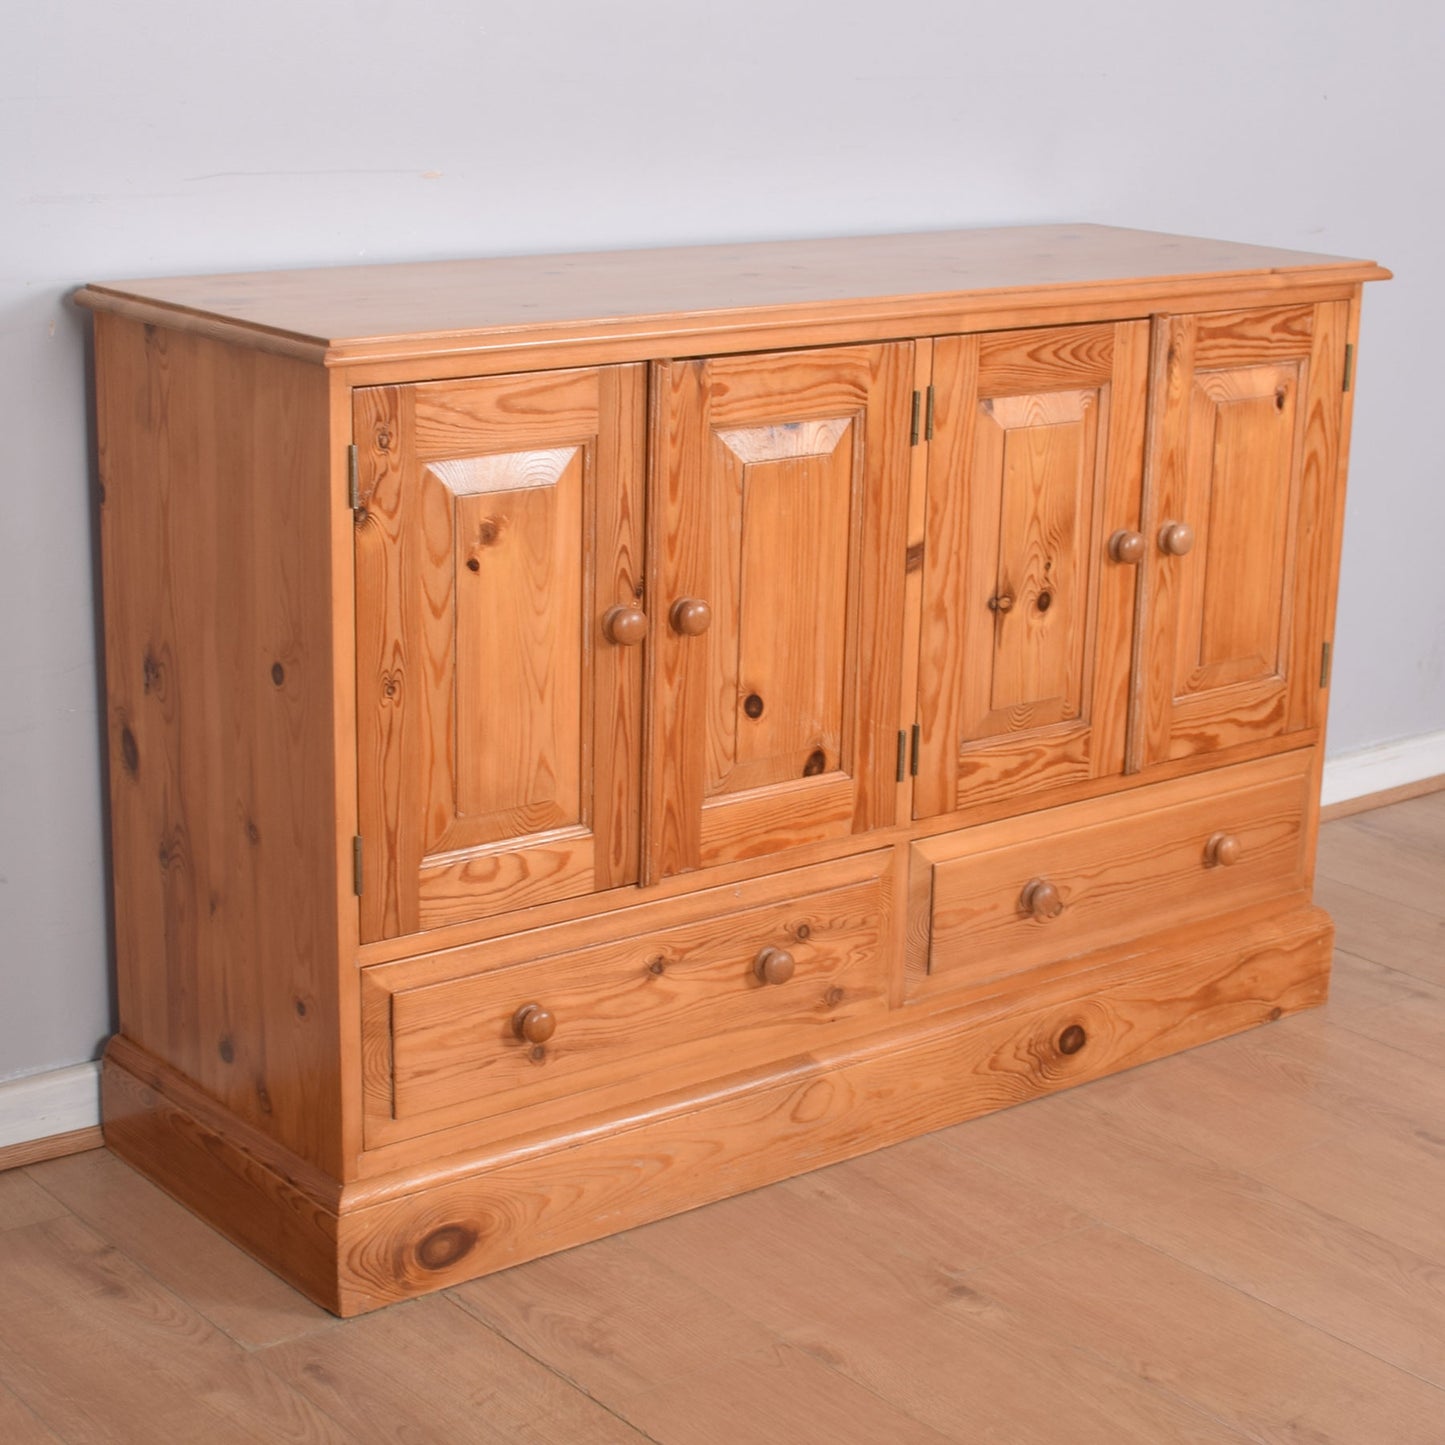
pixel 1176 538
pixel 690 616
pixel 534 1024
pixel 626 626
pixel 1127 547
pixel 1223 850
pixel 774 965
pixel 1041 899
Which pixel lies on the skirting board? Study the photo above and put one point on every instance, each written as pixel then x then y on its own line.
pixel 1382 769
pixel 60 1101
pixel 66 1100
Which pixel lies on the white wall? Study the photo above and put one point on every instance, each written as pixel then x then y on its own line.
pixel 165 136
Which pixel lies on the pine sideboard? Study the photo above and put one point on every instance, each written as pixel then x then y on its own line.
pixel 589 735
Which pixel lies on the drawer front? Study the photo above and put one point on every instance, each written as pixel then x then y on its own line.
pixel 637 1014
pixel 1081 884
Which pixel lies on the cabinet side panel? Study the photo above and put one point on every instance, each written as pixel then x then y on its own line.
pixel 216 552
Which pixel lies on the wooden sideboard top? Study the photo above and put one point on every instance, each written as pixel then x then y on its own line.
pixel 360 313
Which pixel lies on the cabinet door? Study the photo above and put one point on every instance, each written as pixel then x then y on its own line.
pixel 1240 520
pixel 1035 464
pixel 498 721
pixel 777 533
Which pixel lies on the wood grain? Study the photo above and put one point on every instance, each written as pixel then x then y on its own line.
pixel 677 1358
pixel 19 1425
pixel 1258 1370
pixel 1388 1186
pixel 500 521
pixel 617 1318
pixel 469 1224
pixel 685 1002
pixel 1246 453
pixel 215 537
pixel 424 676
pixel 928 1281
pixel 1366 1084
pixel 430 1372
pixel 1025 650
pixel 252 1203
pixel 52 1146
pixel 807 1250
pixel 153 1363
pixel 780 1392
pixel 912 282
pixel 1000 1377
pixel 181 1252
pixel 1394 934
pixel 1149 865
pixel 775 478
pixel 1390 868
pixel 1367 1290
pixel 23 1201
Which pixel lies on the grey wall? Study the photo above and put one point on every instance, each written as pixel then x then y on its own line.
pixel 165 136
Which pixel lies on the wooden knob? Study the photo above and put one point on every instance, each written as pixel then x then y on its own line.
pixel 1041 898
pixel 1223 850
pixel 1176 538
pixel 626 626
pixel 690 616
pixel 534 1024
pixel 1127 547
pixel 774 965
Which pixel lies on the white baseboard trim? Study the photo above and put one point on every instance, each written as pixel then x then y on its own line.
pixel 1380 768
pixel 56 1102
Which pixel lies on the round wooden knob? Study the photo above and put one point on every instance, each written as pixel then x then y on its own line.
pixel 690 616
pixel 1041 898
pixel 774 965
pixel 1127 547
pixel 626 626
pixel 534 1024
pixel 1176 538
pixel 1223 850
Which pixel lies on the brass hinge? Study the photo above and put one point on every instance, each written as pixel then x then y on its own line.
pixel 353 483
pixel 1349 366
pixel 1326 657
pixel 913 425
pixel 913 762
pixel 356 865
pixel 902 753
pixel 928 422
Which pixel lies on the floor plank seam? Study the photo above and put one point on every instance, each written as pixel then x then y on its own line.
pixel 1308 1324
pixel 1243 1289
pixel 324 1327
pixel 551 1369
pixel 1388 967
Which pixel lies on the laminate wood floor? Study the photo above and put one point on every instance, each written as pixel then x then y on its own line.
pixel 1242 1243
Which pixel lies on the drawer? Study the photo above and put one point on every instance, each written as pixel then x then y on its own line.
pixel 1012 896
pixel 673 993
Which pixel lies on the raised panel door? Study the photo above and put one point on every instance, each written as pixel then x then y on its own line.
pixel 1028 603
pixel 1240 518
pixel 777 523
pixel 498 703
